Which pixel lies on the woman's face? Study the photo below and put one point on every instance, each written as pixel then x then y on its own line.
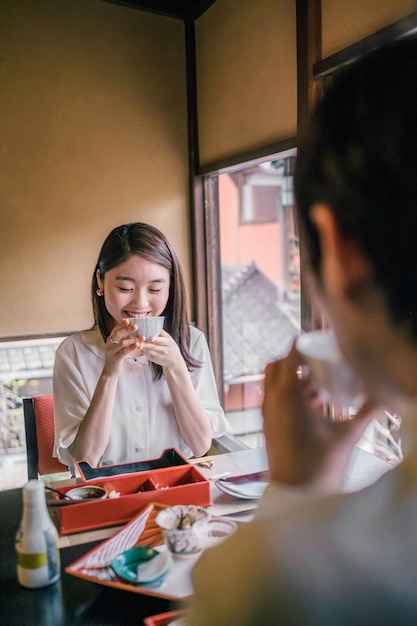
pixel 135 288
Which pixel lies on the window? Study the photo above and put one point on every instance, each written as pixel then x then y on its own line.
pixel 260 283
pixel 259 272
pixel 25 370
pixel 251 221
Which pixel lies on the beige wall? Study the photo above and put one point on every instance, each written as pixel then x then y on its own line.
pixel 246 76
pixel 344 23
pixel 246 65
pixel 93 128
pixel 93 132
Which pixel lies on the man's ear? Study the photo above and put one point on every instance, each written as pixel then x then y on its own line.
pixel 344 267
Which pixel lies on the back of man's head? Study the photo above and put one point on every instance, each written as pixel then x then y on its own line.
pixel 359 156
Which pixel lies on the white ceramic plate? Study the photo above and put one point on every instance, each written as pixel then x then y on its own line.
pixel 250 490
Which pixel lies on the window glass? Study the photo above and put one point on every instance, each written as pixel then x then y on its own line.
pixel 260 279
pixel 25 370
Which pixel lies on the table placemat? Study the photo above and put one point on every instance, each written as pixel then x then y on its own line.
pixel 95 566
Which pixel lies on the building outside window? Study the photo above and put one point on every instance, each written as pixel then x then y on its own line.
pixel 25 370
pixel 261 296
pixel 260 280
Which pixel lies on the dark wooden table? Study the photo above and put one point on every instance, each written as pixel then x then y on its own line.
pixel 74 601
pixel 77 601
pixel 71 600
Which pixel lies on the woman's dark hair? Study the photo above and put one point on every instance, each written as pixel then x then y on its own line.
pixel 149 243
pixel 359 156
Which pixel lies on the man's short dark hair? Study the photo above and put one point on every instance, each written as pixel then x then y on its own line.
pixel 359 156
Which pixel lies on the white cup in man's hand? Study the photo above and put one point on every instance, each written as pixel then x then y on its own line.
pixel 337 383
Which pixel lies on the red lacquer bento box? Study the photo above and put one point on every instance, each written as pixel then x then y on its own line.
pixel 170 479
pixel 163 619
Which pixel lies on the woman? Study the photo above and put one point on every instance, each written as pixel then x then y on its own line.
pixel 119 398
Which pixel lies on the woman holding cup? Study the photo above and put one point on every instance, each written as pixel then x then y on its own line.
pixel 120 396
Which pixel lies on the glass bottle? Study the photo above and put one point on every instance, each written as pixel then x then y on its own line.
pixel 38 560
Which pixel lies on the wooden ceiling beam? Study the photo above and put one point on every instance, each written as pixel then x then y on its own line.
pixel 187 10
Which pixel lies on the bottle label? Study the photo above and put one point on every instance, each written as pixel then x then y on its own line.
pixel 32 561
pixel 49 559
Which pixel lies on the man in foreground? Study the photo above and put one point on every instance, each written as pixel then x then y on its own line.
pixel 313 555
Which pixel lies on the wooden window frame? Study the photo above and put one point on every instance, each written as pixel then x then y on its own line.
pixel 311 71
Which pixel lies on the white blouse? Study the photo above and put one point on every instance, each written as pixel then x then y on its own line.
pixel 143 422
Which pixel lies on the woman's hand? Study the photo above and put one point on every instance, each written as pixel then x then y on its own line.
pixel 192 418
pixel 163 350
pixel 119 344
pixel 303 445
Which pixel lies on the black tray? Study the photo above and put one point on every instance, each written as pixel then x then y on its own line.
pixel 169 458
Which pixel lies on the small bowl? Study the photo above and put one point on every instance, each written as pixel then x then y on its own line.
pixel 214 530
pixel 141 566
pixel 147 326
pixel 319 351
pixel 91 492
pixel 177 525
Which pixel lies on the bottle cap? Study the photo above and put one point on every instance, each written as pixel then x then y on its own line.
pixel 34 491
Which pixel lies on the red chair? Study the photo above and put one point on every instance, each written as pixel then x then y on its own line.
pixel 38 413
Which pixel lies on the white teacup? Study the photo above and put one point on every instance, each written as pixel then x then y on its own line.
pixel 147 326
pixel 177 523
pixel 337 382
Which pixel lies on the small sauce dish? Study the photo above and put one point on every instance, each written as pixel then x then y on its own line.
pixel 141 566
pixel 90 492
pixel 214 530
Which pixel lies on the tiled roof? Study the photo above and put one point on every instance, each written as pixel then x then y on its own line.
pixel 256 327
pixel 30 359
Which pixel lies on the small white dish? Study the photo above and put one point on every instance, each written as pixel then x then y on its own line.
pixel 251 490
pixel 87 492
pixel 214 530
pixel 142 566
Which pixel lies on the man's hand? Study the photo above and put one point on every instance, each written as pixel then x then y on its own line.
pixel 304 447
